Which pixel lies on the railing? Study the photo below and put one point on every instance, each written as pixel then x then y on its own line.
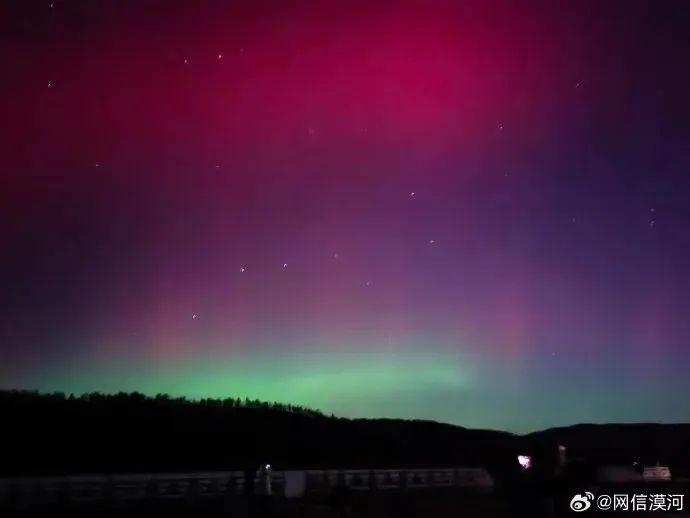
pixel 383 479
pixel 29 491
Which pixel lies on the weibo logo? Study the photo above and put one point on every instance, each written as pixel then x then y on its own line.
pixel 581 502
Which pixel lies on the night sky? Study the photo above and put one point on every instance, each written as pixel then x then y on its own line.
pixel 475 213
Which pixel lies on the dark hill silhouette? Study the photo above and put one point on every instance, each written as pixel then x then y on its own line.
pixel 57 434
pixel 96 433
pixel 645 443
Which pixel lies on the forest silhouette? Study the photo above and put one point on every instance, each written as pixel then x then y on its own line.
pixel 130 432
pixel 54 434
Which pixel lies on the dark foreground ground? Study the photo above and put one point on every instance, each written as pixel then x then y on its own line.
pixel 427 503
pixel 431 503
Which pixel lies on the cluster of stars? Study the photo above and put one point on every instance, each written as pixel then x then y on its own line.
pixel 432 242
pixel 336 255
pixel 312 132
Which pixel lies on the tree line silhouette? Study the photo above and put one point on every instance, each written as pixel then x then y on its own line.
pixel 137 398
pixel 131 432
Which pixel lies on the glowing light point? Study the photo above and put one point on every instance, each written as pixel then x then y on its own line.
pixel 195 316
pixel 412 194
pixel 432 241
pixel 336 255
pixel 220 56
pixel 525 461
pixel 242 269
pixel 284 265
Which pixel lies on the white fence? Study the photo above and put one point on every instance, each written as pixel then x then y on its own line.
pixel 383 479
pixel 28 491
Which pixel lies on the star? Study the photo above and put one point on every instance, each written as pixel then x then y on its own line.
pixel 186 61
pixel 97 164
pixel 652 223
pixel 432 241
pixel 369 284
pixel 500 126
pixel 50 84
pixel 220 56
pixel 217 166
pixel 412 194
pixel 195 316
pixel 578 84
pixel 336 255
pixel 242 269
pixel 284 265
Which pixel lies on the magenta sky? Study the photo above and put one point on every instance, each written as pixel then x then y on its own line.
pixel 483 209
